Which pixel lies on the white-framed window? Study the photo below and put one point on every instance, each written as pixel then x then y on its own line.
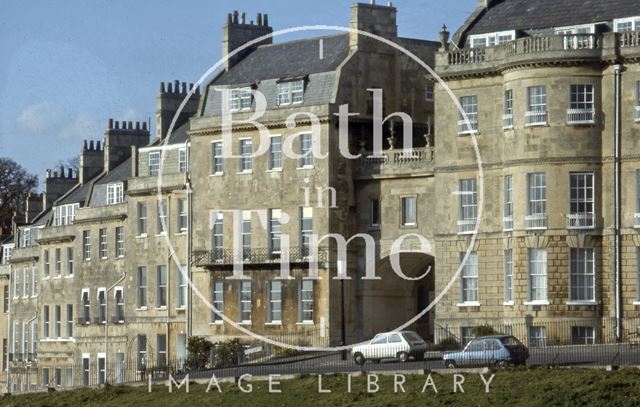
pixel 217 290
pixel 306 301
pixel 275 229
pixel 581 200
pixel 409 211
pixel 141 282
pixel 34 337
pixel 119 242
pixel 64 214
pixel 15 343
pixel 578 37
pixel 35 275
pixel 637 116
pixel 246 234
pixel 161 283
pixel 217 238
pixel 85 369
pixel 470 108
pixel 47 264
pixel 468 207
pixel 142 218
pixel 183 215
pixel 142 352
pixel 536 114
pixel 16 283
pixel 115 193
pixel 508 203
pixel 306 230
pixel 182 160
pixel 290 92
pixel 102 241
pixel 26 286
pixel 537 200
pixel 45 321
pixel 161 217
pixel 508 276
pixel 86 244
pixel 25 339
pixel 582 105
pixel 621 25
pixel 161 348
pixel 25 235
pixel 86 306
pixel 582 335
pixel 374 213
pixel 240 99
pixel 246 149
pixel 154 163
pixel 58 262
pixel 245 301
pixel 119 297
pixel 507 115
pixel 537 275
pixel 469 278
pixel 306 150
pixel 7 251
pixel 429 91
pixel 275 153
pixel 69 261
pixel 582 275
pixel 537 336
pixel 183 288
pixel 69 320
pixel 57 315
pixel 102 305
pixel 217 160
pixel 275 301
pixel 102 368
pixel 491 39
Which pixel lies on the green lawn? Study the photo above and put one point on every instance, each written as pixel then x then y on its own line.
pixel 538 387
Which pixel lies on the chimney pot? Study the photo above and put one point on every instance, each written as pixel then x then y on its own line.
pixel 230 19
pixel 176 86
pixel 117 124
pixel 70 172
pixel 110 124
pixel 259 19
pixel 84 147
pixel 162 87
pixel 243 18
pixel 48 173
pixel 265 20
pixel 169 87
pixel 98 145
pixel 137 125
pixel 130 125
pixel 90 145
pixel 144 125
pixel 184 87
pixel 235 16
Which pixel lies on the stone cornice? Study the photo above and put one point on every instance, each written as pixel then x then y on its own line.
pixel 536 161
pixel 249 127
pixel 108 218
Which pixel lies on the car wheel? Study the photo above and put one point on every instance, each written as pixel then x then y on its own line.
pixel 359 359
pixel 450 364
pixel 502 364
pixel 403 357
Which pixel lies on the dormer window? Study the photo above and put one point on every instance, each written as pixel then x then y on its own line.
pixel 240 99
pixel 626 24
pixel 7 250
pixel 290 92
pixel 115 193
pixel 64 214
pixel 578 37
pixel 491 39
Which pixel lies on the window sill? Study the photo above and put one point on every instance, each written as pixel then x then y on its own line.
pixel 182 308
pixel 277 170
pixel 582 303
pixel 141 309
pixel 57 277
pixel 69 276
pixel 216 323
pixel 545 124
pixel 273 323
pixel 468 304
pixel 57 340
pixel 541 302
pixel 306 167
pixel 245 323
pixel 248 172
pixel 507 128
pixel 162 308
pixel 306 323
pixel 143 236
pixel 409 226
pixel 161 234
pixel 636 303
pixel 181 233
pixel 217 174
pixel 508 303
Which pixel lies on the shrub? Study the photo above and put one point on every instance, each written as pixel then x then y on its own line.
pixel 483 330
pixel 229 353
pixel 446 344
pixel 199 349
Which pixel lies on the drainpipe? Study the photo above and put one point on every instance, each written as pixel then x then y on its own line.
pixel 106 321
pixel 617 199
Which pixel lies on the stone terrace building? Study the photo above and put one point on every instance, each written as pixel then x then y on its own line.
pixel 314 75
pixel 547 87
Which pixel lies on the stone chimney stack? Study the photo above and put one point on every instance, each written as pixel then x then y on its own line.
pixel 238 32
pixel 91 161
pixel 376 19
pixel 57 184
pixel 33 206
pixel 167 103
pixel 118 139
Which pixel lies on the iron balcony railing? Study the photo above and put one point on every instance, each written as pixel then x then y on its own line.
pixel 466 226
pixel 255 256
pixel 507 223
pixel 536 221
pixel 580 221
pixel 581 116
pixel 535 118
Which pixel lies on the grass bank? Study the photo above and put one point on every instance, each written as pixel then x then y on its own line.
pixel 536 387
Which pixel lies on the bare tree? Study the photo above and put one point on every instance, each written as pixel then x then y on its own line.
pixel 15 185
pixel 73 163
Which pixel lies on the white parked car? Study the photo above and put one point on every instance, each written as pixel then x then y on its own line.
pixel 400 346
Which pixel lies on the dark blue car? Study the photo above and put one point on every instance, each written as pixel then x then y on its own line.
pixel 499 351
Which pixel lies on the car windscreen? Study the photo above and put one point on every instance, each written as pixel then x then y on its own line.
pixel 510 341
pixel 412 337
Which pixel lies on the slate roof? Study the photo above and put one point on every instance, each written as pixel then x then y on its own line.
pixel 121 173
pixel 504 15
pixel 77 195
pixel 287 60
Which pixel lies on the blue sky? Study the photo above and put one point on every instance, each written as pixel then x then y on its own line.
pixel 66 67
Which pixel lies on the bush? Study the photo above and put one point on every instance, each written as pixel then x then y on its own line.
pixel 229 353
pixel 483 330
pixel 446 344
pixel 199 349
